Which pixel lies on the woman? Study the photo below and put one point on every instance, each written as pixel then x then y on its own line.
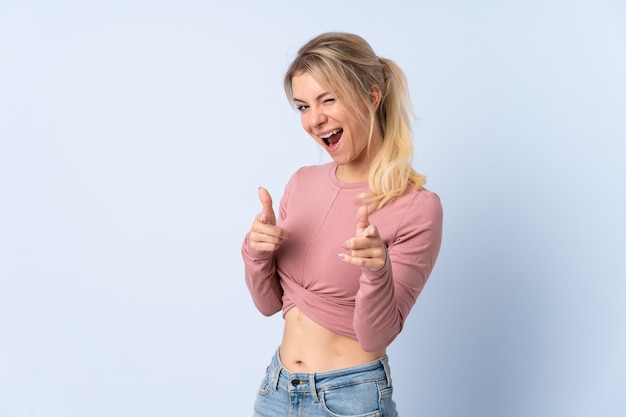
pixel 354 242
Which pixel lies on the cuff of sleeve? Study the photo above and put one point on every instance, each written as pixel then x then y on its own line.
pixel 382 272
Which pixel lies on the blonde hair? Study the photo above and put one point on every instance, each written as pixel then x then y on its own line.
pixel 347 65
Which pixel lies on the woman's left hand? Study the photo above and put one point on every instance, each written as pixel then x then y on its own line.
pixel 367 249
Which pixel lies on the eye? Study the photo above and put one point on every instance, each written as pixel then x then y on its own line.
pixel 329 100
pixel 301 107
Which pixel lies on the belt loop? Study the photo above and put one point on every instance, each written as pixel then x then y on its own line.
pixel 275 379
pixel 313 388
pixel 275 374
pixel 385 362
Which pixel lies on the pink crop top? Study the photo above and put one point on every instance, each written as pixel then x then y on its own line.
pixel 320 212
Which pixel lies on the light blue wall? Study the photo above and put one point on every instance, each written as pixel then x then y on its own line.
pixel 133 135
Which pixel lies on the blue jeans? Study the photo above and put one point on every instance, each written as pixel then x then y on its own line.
pixel 359 391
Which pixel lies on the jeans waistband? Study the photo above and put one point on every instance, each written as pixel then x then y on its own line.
pixel 313 382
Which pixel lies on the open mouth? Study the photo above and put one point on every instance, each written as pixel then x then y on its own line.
pixel 331 138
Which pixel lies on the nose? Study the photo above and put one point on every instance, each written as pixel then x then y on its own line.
pixel 317 117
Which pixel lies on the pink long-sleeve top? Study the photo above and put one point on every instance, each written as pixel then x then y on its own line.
pixel 320 212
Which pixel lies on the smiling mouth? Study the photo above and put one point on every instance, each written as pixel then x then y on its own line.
pixel 331 138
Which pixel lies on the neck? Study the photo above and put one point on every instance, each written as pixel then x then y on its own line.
pixel 351 173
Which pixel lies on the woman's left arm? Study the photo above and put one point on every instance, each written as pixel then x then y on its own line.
pixel 387 294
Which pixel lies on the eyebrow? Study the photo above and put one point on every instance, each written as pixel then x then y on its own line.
pixel 318 98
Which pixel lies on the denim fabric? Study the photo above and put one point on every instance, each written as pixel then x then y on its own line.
pixel 360 391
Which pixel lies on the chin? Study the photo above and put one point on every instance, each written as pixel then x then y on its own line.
pixel 339 160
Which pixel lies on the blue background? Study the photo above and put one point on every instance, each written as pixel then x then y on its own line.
pixel 133 137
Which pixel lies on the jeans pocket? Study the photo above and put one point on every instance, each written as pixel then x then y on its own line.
pixel 265 383
pixel 358 400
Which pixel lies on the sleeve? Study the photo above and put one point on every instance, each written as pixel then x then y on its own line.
pixel 262 280
pixel 386 297
pixel 260 271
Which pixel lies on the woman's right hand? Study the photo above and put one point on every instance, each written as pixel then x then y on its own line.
pixel 264 235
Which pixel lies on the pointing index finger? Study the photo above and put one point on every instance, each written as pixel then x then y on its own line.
pixel 266 199
pixel 362 219
pixel 268 215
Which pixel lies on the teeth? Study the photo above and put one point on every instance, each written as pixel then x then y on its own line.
pixel 329 134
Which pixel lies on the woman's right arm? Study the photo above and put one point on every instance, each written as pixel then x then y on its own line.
pixel 258 248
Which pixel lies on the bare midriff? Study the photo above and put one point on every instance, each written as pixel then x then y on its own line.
pixel 308 347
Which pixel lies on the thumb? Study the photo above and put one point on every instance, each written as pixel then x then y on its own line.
pixel 268 211
pixel 362 219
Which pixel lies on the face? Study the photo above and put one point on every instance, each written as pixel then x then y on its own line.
pixel 335 128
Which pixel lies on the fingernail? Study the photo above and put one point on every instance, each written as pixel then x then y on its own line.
pixel 341 256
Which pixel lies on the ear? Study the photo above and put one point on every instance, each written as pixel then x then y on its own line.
pixel 376 96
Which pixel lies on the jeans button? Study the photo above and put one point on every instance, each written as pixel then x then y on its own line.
pixel 295 382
